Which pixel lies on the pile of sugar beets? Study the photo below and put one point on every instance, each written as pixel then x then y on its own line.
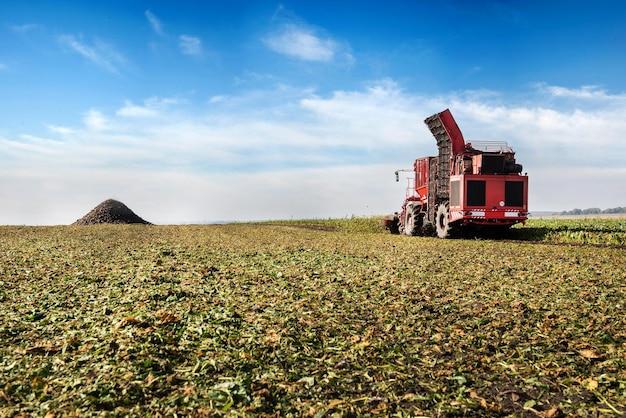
pixel 111 212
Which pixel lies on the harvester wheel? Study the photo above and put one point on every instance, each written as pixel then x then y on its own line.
pixel 413 221
pixel 394 226
pixel 391 223
pixel 444 230
pixel 428 229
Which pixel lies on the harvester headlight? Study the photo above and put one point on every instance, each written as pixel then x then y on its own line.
pixel 480 213
pixel 502 203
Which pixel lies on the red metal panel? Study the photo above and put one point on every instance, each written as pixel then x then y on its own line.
pixel 495 190
pixel 422 168
pixel 494 214
pixel 421 172
pixel 456 137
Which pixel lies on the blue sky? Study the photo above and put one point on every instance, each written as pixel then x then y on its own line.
pixel 174 106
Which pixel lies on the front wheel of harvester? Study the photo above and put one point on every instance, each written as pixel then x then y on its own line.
pixel 413 221
pixel 442 221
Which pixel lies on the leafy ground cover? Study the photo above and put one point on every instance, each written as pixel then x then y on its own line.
pixel 294 319
pixel 581 231
pixel 605 232
pixel 353 224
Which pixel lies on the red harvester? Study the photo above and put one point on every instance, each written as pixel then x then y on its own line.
pixel 467 185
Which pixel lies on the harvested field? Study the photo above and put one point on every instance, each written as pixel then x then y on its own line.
pixel 294 318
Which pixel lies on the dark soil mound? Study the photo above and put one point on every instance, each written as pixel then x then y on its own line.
pixel 111 212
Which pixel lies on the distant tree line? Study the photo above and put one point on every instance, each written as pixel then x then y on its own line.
pixel 594 211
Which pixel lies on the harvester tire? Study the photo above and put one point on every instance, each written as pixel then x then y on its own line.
pixel 394 226
pixel 428 229
pixel 442 221
pixel 413 221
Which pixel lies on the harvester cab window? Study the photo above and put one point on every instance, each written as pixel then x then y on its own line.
pixel 514 193
pixel 475 193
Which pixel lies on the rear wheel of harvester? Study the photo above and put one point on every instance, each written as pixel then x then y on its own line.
pixel 391 223
pixel 413 221
pixel 394 226
pixel 442 221
pixel 428 229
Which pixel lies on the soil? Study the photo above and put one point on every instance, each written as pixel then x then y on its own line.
pixel 111 212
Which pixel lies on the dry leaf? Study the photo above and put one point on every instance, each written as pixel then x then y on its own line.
pixel 553 412
pixel 589 353
pixel 334 403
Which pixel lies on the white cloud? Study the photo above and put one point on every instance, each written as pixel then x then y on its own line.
pixel 95 120
pixel 100 53
pixel 131 110
pixel 150 108
pixel 190 45
pixel 62 130
pixel 582 92
pixel 297 154
pixel 304 43
pixel 155 23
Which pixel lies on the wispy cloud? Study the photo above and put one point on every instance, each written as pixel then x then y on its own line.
pixel 131 110
pixel 190 45
pixel 150 108
pixel 582 92
pixel 302 42
pixel 155 22
pixel 25 27
pixel 63 130
pixel 99 53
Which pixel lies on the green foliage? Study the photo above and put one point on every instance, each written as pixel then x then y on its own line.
pixel 351 225
pixel 314 318
pixel 575 231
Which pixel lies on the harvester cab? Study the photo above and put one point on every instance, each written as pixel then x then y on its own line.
pixel 465 185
